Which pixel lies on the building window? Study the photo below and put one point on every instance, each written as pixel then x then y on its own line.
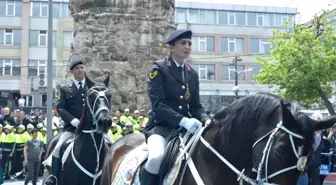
pixel 39 9
pixel 8 37
pixel 29 101
pixel 259 46
pixel 44 100
pixel 10 8
pixel 181 15
pixel 278 20
pixel 56 10
pixel 67 39
pixel 203 44
pixel 202 16
pixel 232 18
pixel 222 17
pixel 65 10
pixel 255 70
pixel 10 67
pixel 241 18
pixel 40 38
pixel 268 20
pixel 260 19
pixel 232 45
pixel 251 19
pixel 229 71
pixel 205 72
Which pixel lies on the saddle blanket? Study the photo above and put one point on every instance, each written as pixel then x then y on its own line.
pixel 132 160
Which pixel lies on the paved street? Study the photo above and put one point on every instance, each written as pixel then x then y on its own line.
pixel 20 182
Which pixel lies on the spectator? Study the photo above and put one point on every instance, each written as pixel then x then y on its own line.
pixel 32 157
pixel 22 102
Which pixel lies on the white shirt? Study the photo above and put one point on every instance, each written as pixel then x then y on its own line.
pixel 77 83
pixel 55 121
pixel 21 102
pixel 177 64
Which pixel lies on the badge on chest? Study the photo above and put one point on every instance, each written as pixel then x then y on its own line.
pixel 187 94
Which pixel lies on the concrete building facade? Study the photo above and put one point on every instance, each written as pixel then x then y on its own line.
pixel 221 32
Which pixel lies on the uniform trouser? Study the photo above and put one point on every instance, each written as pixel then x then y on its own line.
pixel 33 171
pixel 18 162
pixel 7 163
pixel 65 136
pixel 156 149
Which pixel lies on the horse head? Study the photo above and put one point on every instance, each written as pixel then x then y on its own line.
pixel 98 105
pixel 284 147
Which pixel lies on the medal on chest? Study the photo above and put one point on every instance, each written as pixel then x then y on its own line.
pixel 187 94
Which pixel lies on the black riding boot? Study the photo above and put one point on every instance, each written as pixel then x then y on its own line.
pixel 55 169
pixel 149 178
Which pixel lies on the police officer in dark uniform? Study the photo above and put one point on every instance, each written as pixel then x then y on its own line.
pixel 70 106
pixel 173 88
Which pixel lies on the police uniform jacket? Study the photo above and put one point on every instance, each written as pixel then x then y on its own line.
pixel 70 104
pixel 172 98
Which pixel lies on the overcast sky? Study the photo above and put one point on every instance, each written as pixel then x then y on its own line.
pixel 306 8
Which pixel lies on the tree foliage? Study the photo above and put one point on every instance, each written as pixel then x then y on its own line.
pixel 303 62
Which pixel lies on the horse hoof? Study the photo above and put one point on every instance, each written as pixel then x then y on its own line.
pixel 51 180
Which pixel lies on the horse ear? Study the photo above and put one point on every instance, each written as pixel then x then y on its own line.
pixel 88 82
pixel 107 80
pixel 287 116
pixel 325 123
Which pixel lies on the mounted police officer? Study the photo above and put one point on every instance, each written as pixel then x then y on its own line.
pixel 70 106
pixel 173 88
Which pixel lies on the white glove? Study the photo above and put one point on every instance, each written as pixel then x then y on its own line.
pixel 75 122
pixel 191 124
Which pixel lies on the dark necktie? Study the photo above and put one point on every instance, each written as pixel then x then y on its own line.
pixel 80 86
pixel 182 72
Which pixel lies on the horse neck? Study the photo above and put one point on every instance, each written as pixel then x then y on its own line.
pixel 210 167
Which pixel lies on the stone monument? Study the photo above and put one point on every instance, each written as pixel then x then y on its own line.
pixel 123 38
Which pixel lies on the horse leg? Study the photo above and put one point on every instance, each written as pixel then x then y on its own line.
pixel 116 153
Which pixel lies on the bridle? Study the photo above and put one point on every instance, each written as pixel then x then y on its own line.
pixel 101 94
pixel 101 91
pixel 188 148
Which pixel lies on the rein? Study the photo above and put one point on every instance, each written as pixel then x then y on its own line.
pixel 188 149
pixel 97 172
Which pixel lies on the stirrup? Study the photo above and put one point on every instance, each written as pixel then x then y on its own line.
pixel 50 180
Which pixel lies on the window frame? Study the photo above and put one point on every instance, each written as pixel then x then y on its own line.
pixel 10 3
pixel 11 33
pixel 42 34
pixel 234 18
pixel 260 15
pixel 44 5
pixel 263 43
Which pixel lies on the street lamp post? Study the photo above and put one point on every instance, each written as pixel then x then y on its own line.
pixel 236 88
pixel 49 71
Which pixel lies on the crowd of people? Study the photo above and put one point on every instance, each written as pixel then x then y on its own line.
pixel 18 140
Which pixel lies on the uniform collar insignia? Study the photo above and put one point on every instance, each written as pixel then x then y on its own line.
pixel 70 85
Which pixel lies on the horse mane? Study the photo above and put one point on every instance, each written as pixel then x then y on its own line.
pixel 238 120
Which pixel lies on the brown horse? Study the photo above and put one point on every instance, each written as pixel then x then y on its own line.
pixel 260 131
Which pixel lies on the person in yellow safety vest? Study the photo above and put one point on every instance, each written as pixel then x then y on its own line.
pixel 30 128
pixel 135 119
pixel 21 139
pixel 129 128
pixel 54 130
pixel 115 120
pixel 114 132
pixel 2 136
pixel 8 148
pixel 126 117
pixel 40 136
pixel 143 114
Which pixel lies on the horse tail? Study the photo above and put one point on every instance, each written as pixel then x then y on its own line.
pixel 116 153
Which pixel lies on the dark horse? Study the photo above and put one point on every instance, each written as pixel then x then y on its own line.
pixel 87 150
pixel 261 131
